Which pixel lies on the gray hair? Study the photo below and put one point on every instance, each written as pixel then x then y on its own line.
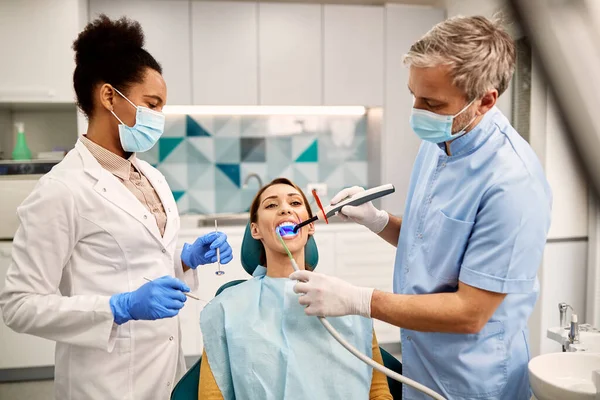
pixel 480 53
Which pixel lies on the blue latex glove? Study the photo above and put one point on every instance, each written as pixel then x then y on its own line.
pixel 161 298
pixel 204 250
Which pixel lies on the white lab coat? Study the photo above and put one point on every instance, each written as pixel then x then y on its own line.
pixel 84 237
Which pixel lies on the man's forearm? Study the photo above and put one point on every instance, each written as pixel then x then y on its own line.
pixel 391 233
pixel 439 312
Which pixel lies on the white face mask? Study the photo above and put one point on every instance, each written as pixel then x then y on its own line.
pixel 148 128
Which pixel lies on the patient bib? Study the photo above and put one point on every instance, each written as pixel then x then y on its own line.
pixel 261 345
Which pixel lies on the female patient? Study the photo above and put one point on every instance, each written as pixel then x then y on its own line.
pixel 259 343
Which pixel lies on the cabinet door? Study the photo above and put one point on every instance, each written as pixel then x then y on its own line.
pixel 225 53
pixel 20 350
pixel 290 54
pixel 209 284
pixel 353 49
pixel 166 25
pixel 364 259
pixel 37 59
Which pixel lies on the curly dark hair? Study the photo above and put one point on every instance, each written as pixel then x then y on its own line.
pixel 109 51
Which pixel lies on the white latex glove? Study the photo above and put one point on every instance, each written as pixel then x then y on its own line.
pixel 365 214
pixel 327 296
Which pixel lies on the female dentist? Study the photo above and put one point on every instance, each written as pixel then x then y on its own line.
pixel 97 225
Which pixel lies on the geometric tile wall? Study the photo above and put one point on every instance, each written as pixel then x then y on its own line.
pixel 206 159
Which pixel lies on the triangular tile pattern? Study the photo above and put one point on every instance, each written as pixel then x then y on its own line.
pixel 255 126
pixel 203 199
pixel 176 175
pixel 310 155
pixel 175 126
pixel 336 177
pixel 223 182
pixel 205 145
pixel 166 146
pixel 150 156
pixel 177 194
pixel 228 126
pixel 355 173
pixel 300 143
pixel 253 149
pixel 227 150
pixel 183 204
pixel 211 158
pixel 194 156
pixel 229 201
pixel 201 176
pixel 232 171
pixel 179 154
pixel 194 129
pixel 274 173
pixel 306 173
pixel 254 168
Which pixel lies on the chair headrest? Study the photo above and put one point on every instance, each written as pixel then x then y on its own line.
pixel 252 248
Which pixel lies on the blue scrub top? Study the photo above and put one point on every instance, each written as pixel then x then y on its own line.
pixel 479 216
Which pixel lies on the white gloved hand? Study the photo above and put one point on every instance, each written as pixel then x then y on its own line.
pixel 327 296
pixel 365 214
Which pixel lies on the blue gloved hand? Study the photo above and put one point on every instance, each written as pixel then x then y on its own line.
pixel 161 298
pixel 204 250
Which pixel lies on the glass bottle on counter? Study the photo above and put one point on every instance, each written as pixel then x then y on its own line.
pixel 21 150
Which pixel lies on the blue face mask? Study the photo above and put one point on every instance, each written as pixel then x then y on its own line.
pixel 434 127
pixel 148 128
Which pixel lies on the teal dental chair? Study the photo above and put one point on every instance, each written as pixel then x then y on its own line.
pixel 187 387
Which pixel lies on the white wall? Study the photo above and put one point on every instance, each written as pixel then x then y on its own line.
pixel 399 144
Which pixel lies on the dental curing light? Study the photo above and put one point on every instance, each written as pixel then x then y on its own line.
pixel 354 200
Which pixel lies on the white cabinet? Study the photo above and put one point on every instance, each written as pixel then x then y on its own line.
pixel 399 144
pixel 364 259
pixel 209 284
pixel 37 60
pixel 166 25
pixel 225 53
pixel 290 54
pixel 353 43
pixel 19 350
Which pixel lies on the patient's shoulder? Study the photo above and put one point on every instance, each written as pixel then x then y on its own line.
pixel 233 295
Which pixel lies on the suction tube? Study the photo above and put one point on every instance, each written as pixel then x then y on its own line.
pixel 367 360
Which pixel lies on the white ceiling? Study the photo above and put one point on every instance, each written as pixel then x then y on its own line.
pixel 436 3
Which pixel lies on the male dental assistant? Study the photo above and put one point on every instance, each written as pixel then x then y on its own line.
pixel 474 228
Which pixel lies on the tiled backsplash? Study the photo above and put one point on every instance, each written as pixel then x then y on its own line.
pixel 206 159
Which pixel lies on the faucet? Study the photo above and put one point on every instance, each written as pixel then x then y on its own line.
pixel 252 175
pixel 574 330
pixel 562 309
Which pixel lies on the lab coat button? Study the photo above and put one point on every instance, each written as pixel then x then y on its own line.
pixel 145 217
pixel 164 251
pixel 171 338
pixel 168 383
pixel 104 189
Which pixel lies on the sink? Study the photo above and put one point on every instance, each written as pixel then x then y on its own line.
pixel 589 338
pixel 564 376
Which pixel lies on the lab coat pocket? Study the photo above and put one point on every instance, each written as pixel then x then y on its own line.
pixel 447 247
pixel 473 366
